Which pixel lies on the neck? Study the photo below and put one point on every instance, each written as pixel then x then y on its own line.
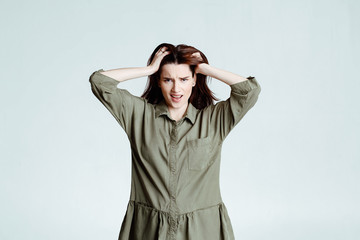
pixel 177 113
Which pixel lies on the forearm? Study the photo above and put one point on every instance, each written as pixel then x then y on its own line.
pixel 123 74
pixel 222 75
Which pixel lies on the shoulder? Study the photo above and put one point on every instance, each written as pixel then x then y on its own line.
pixel 133 99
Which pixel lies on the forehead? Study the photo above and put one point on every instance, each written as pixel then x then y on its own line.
pixel 175 70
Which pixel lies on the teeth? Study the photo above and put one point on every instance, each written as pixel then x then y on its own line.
pixel 176 96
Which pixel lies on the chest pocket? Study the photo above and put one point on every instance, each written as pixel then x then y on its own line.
pixel 199 153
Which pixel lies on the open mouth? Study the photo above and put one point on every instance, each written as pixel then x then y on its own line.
pixel 176 98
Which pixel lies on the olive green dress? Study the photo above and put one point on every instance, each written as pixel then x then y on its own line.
pixel 175 192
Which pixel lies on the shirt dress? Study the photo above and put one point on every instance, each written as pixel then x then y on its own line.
pixel 175 190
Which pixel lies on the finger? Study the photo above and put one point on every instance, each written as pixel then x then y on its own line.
pixel 162 50
pixel 197 55
pixel 163 54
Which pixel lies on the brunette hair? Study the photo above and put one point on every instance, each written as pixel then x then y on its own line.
pixel 201 95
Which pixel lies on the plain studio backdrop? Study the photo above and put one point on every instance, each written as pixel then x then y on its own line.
pixel 289 169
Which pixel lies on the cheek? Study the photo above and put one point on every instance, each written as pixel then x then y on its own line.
pixel 189 90
pixel 164 89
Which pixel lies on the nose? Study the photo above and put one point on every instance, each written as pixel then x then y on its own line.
pixel 175 86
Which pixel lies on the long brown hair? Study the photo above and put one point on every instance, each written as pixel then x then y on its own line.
pixel 201 95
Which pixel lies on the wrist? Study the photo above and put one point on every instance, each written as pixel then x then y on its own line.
pixel 203 68
pixel 150 70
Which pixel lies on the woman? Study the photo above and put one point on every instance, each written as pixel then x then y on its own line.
pixel 176 134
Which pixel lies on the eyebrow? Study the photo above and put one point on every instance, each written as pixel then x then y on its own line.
pixel 172 78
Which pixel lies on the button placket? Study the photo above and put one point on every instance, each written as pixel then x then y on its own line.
pixel 172 188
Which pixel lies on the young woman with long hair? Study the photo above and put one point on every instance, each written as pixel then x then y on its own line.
pixel 176 133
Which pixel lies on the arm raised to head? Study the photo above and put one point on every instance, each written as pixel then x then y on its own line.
pixel 123 74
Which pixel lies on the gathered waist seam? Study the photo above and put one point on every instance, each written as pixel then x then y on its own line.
pixel 145 205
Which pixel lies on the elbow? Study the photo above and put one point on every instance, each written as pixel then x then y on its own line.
pixel 95 78
pixel 256 89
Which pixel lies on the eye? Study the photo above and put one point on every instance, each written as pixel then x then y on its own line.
pixel 166 80
pixel 184 79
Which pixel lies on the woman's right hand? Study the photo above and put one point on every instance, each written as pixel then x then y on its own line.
pixel 159 55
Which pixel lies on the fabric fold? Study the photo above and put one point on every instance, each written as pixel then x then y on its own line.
pixel 144 222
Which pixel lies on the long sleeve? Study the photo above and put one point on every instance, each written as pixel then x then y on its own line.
pixel 120 103
pixel 226 114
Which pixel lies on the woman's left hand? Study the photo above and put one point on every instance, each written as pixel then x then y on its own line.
pixel 200 68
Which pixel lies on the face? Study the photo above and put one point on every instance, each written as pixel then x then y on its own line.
pixel 176 83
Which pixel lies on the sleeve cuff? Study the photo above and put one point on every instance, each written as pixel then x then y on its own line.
pixel 104 81
pixel 245 86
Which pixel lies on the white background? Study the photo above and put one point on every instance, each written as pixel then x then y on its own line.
pixel 290 168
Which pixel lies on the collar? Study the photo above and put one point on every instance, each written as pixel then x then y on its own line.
pixel 162 109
